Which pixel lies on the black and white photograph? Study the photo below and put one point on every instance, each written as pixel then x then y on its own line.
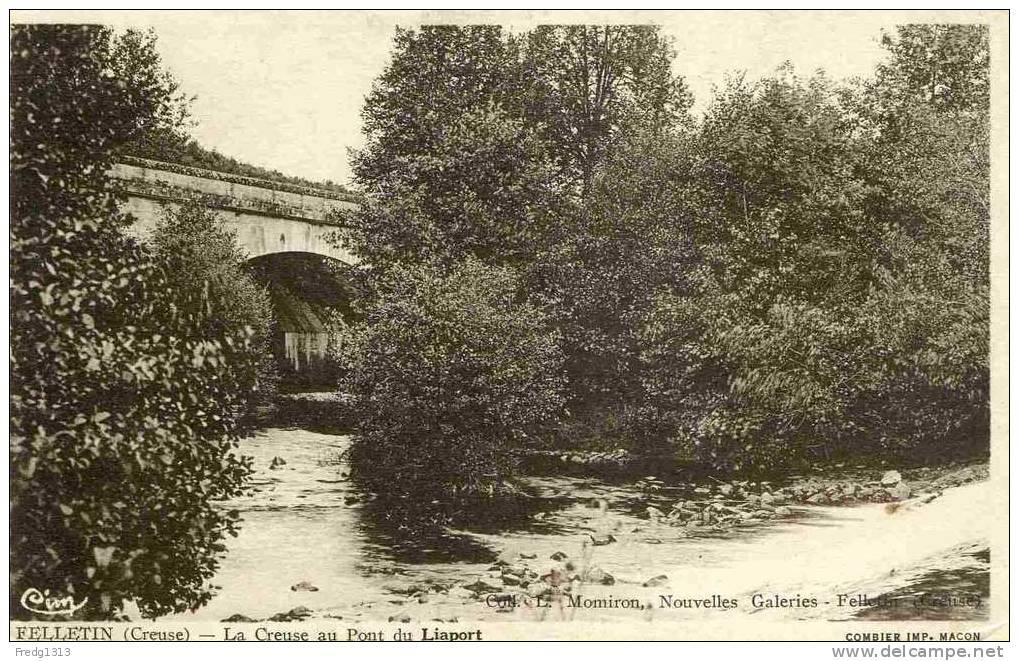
pixel 503 325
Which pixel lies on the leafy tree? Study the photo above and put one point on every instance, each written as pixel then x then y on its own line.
pixel 843 300
pixel 206 270
pixel 123 421
pixel 928 323
pixel 485 144
pixel 482 188
pixel 477 141
pixel 765 221
pixel 134 59
pixel 944 65
pixel 724 290
pixel 450 374
pixel 449 169
pixel 779 168
pixel 633 237
pixel 612 115
pixel 587 86
pixel 437 74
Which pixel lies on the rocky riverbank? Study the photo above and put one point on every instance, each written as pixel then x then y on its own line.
pixel 846 486
pixel 723 505
pixel 630 539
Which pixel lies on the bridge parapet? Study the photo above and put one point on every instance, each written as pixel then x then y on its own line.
pixel 268 217
pixel 171 181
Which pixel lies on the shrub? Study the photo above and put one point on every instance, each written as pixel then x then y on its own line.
pixel 841 306
pixel 902 375
pixel 206 271
pixel 449 373
pixel 123 418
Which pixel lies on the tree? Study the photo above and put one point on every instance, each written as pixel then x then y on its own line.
pixel 450 374
pixel 487 145
pixel 928 322
pixel 162 128
pixel 477 142
pixel 724 290
pixel 633 238
pixel 780 165
pixel 206 270
pixel 449 169
pixel 586 87
pixel 481 188
pixel 437 74
pixel 123 421
pixel 945 66
pixel 842 303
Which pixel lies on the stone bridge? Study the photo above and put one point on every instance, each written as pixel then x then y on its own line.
pixel 275 223
pixel 268 217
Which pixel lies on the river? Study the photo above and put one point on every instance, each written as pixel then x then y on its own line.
pixel 305 525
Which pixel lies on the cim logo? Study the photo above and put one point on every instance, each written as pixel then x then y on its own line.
pixel 43 604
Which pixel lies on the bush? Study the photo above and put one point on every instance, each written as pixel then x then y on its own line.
pixel 841 309
pixel 449 373
pixel 205 267
pixel 123 416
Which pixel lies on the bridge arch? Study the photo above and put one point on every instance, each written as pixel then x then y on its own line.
pixel 290 234
pixel 310 293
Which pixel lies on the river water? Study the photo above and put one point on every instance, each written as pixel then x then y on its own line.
pixel 304 524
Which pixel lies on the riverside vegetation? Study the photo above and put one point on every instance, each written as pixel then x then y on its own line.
pixel 127 386
pixel 563 260
pixel 798 275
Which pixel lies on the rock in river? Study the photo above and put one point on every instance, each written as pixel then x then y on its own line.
pixel 237 617
pixel 598 575
pixel 304 586
pixel 510 579
pixel 890 479
pixel 654 582
pixel 297 613
pixel 483 586
pixel 602 541
pixel 901 491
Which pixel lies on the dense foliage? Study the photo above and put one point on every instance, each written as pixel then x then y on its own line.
pixel 801 273
pixel 123 411
pixel 450 373
pixel 207 273
pixel 842 308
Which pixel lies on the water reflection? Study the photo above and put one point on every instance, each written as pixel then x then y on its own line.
pixel 403 542
pixel 310 539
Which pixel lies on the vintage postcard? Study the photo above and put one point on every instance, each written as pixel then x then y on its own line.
pixel 355 326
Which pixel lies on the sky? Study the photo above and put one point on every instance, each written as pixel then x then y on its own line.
pixel 284 90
